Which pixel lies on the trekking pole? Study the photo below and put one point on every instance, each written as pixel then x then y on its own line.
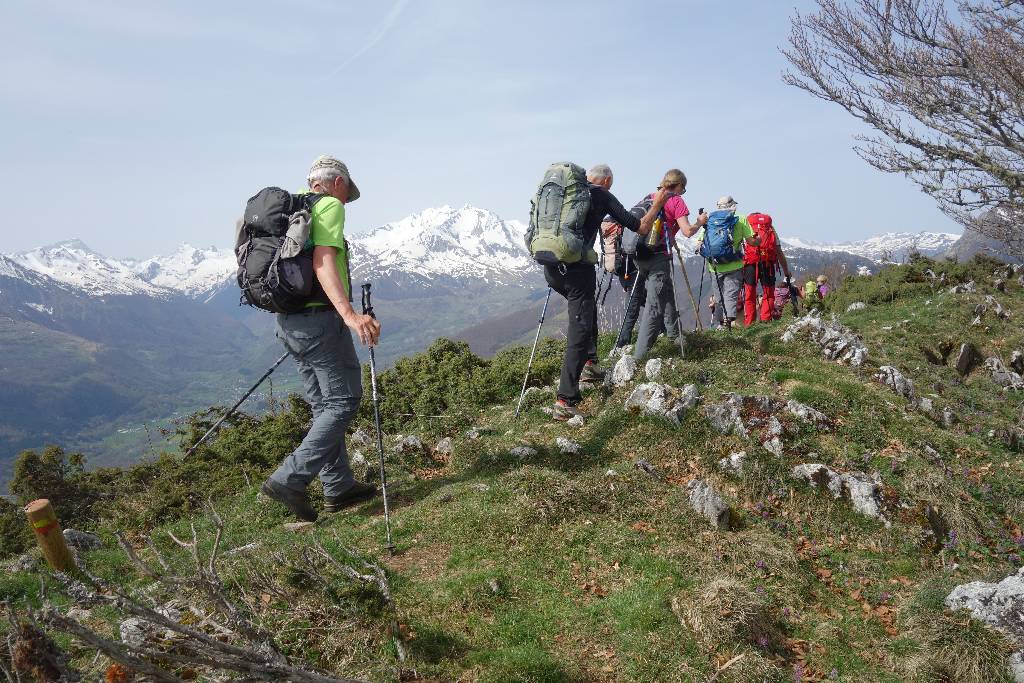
pixel 700 295
pixel 629 302
pixel 536 340
pixel 689 290
pixel 233 408
pixel 675 302
pixel 368 310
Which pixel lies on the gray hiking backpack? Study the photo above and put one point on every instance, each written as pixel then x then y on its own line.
pixel 557 213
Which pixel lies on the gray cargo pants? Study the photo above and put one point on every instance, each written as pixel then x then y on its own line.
pixel 660 307
pixel 326 358
pixel 730 284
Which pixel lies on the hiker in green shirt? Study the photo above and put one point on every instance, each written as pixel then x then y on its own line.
pixel 726 261
pixel 320 339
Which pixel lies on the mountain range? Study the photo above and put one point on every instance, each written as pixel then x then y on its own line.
pixel 96 348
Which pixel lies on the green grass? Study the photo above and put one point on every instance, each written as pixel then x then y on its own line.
pixel 564 567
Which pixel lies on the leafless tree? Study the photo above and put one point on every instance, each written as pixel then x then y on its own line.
pixel 942 84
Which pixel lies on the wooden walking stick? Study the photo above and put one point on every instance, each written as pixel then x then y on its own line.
pixel 689 290
pixel 49 534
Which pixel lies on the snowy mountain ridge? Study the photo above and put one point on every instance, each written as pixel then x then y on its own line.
pixel 890 246
pixel 443 242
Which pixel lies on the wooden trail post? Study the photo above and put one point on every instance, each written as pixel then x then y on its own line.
pixel 49 534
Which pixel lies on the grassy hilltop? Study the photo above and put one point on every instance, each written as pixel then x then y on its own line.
pixel 536 564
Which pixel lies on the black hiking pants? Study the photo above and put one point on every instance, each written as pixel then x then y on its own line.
pixel 578 284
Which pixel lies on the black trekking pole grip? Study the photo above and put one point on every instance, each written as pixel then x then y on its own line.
pixel 367 305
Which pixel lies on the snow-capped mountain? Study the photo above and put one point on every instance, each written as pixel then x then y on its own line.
pixel 465 243
pixel 74 264
pixel 198 273
pixel 889 247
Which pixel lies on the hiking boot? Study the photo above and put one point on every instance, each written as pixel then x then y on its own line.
pixel 592 372
pixel 357 493
pixel 296 502
pixel 563 411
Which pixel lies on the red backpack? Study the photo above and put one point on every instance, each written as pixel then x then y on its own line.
pixel 767 251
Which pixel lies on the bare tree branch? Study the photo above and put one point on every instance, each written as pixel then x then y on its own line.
pixel 942 86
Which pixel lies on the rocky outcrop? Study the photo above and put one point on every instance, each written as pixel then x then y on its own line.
pixel 898 382
pixel 652 369
pixel 409 444
pixel 1000 605
pixel 624 371
pixel 733 462
pixel 444 446
pixel 763 415
pixel 523 452
pixel 82 540
pixel 567 446
pixel 1003 376
pixel 708 503
pixel 662 400
pixel 856 306
pixel 968 359
pixel 966 288
pixel 838 343
pixel 862 490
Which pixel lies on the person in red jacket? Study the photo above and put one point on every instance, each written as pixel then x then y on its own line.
pixel 759 265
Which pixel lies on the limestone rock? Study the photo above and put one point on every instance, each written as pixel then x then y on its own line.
pixel 838 343
pixel 652 369
pixel 662 400
pixel 82 540
pixel 1003 376
pixel 567 446
pixel 856 306
pixel 734 462
pixel 624 371
pixel 444 446
pixel 898 382
pixel 136 632
pixel 967 288
pixel 575 421
pixel 620 351
pixel 1000 285
pixel 472 433
pixel 1000 605
pixel 1017 362
pixel 726 417
pixel 361 437
pixel 357 459
pixel 862 490
pixel 997 308
pixel 948 417
pixel 967 359
pixel 807 413
pixel 523 452
pixel 708 503
pixel 410 444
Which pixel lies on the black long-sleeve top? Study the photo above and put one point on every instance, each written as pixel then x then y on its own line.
pixel 603 203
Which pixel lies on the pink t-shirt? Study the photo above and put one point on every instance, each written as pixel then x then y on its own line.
pixel 675 208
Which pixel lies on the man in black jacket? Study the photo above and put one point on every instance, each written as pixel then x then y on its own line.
pixel 577 283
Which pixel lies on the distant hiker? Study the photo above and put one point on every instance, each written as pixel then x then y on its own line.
pixel 320 339
pixel 759 265
pixel 623 266
pixel 812 298
pixel 823 287
pixel 721 244
pixel 786 293
pixel 656 262
pixel 561 237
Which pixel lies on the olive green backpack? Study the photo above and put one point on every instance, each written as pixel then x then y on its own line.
pixel 557 213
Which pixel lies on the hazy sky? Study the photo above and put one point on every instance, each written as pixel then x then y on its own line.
pixel 136 126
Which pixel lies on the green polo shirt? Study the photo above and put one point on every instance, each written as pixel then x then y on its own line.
pixel 327 229
pixel 740 232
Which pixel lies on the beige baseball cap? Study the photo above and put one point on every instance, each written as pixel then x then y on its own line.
pixel 726 202
pixel 325 161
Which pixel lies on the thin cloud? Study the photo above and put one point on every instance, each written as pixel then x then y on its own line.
pixel 375 37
